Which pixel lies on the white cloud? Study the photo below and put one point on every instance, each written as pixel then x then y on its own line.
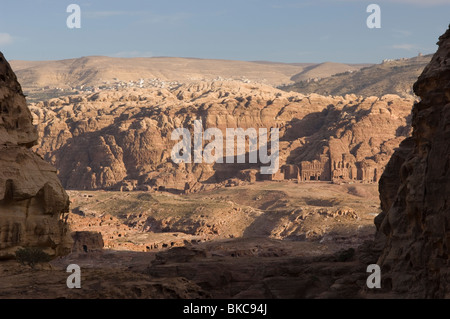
pixel 106 14
pixel 294 5
pixel 5 38
pixel 142 17
pixel 165 19
pixel 423 2
pixel 401 33
pixel 404 46
pixel 133 54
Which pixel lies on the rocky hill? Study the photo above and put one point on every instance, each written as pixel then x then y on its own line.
pixel 390 77
pixel 96 70
pixel 32 200
pixel 47 79
pixel 325 70
pixel 122 139
pixel 414 226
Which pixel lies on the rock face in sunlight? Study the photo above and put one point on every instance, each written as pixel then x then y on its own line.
pixel 415 224
pixel 32 200
pixel 121 140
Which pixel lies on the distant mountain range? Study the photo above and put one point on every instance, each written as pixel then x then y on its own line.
pixel 389 77
pixel 94 70
pixel 42 80
pixel 47 79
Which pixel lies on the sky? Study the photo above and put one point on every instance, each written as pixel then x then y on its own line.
pixel 312 31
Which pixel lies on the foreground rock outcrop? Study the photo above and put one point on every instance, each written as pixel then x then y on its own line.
pixel 230 269
pixel 32 200
pixel 414 228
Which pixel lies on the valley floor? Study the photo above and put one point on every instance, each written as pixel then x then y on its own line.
pixel 262 240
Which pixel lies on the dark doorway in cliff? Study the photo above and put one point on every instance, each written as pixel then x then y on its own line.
pixel 9 191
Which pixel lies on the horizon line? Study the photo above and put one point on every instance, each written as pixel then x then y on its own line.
pixel 214 59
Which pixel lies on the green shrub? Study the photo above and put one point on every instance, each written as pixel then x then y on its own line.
pixel 31 256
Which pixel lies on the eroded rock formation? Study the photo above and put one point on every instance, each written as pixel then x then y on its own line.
pixel 415 224
pixel 122 139
pixel 32 200
pixel 86 241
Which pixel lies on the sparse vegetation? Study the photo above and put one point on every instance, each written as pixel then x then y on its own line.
pixel 32 256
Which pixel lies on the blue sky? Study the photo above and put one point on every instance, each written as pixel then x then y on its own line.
pixel 283 31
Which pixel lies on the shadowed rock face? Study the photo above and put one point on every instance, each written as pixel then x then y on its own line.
pixel 415 189
pixel 32 199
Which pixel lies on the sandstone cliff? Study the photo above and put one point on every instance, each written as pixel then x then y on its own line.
pixel 121 139
pixel 414 226
pixel 32 200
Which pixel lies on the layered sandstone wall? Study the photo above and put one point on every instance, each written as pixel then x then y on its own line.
pixel 32 200
pixel 414 228
pixel 121 139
